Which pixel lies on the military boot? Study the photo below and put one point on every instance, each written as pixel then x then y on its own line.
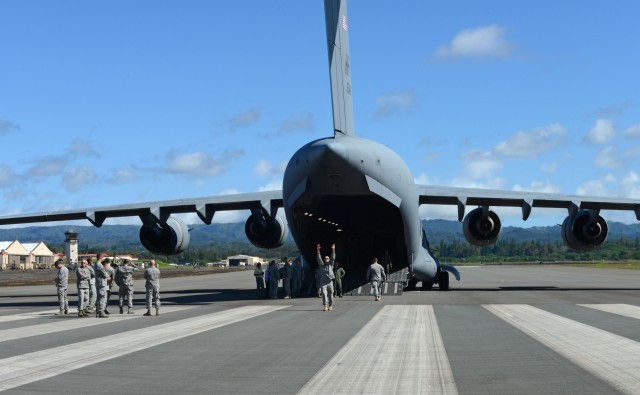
pixel 130 311
pixel 158 311
pixel 66 311
pixel 106 312
pixel 121 310
pixel 101 314
pixel 148 313
pixel 61 312
pixel 80 314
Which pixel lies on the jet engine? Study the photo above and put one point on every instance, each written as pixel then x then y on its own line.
pixel 481 227
pixel 265 232
pixel 585 231
pixel 170 238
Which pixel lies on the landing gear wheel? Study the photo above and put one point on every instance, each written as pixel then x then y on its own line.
pixel 411 285
pixel 427 285
pixel 443 280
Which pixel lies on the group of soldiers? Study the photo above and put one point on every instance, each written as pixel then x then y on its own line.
pixel 95 281
pixel 328 278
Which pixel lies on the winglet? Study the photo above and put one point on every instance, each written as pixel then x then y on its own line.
pixel 335 12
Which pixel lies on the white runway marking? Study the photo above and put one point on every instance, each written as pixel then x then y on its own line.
pixel 399 351
pixel 73 314
pixel 19 370
pixel 610 357
pixel 627 310
pixel 70 322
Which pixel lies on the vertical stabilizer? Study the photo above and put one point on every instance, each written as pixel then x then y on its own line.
pixel 335 12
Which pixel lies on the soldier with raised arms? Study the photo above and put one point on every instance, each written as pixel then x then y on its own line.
pixel 325 276
pixel 125 272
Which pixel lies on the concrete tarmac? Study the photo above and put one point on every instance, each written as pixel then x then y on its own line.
pixel 501 330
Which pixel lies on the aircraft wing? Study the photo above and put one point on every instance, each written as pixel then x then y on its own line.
pixel 205 208
pixel 462 197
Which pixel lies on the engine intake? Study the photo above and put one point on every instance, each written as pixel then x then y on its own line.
pixel 170 238
pixel 585 231
pixel 480 228
pixel 265 232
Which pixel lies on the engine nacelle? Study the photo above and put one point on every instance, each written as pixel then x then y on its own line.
pixel 481 229
pixel 584 232
pixel 265 232
pixel 170 238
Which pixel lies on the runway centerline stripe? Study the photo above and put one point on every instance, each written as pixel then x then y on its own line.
pixel 626 310
pixel 399 350
pixel 70 322
pixel 608 356
pixel 19 370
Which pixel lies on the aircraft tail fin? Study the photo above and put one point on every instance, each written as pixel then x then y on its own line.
pixel 335 12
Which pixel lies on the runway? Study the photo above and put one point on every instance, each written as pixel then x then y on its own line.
pixel 501 330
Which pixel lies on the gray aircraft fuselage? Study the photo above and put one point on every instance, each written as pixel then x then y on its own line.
pixel 358 194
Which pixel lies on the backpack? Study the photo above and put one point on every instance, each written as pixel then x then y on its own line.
pixel 118 277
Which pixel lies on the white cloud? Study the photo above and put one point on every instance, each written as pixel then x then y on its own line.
pixel 633 131
pixel 598 187
pixel 82 147
pixel 265 168
pixel 199 164
pixel 479 43
pixel 630 185
pixel 550 167
pixel 48 166
pixel 78 177
pixel 391 103
pixel 607 157
pixel 245 118
pixel 602 132
pixel 7 176
pixel 6 126
pixel 523 144
pixel 538 186
pixel 122 175
pixel 272 186
pixel 297 123
pixel 481 164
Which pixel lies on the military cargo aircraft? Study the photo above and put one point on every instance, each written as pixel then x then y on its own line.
pixel 356 193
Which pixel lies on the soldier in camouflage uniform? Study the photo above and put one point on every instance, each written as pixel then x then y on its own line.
pixel 325 276
pixel 152 285
pixel 82 281
pixel 62 280
pixel 102 276
pixel 106 263
pixel 126 285
pixel 92 287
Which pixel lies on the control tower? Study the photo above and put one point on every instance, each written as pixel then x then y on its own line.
pixel 71 237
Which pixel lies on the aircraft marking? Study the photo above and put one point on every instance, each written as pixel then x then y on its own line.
pixel 611 357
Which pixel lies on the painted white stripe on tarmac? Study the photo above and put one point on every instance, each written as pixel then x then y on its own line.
pixel 626 310
pixel 399 351
pixel 610 357
pixel 52 314
pixel 70 322
pixel 19 370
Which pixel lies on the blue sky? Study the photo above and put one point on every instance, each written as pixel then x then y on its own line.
pixel 105 103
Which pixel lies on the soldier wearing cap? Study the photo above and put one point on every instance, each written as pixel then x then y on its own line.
pixel 126 285
pixel 106 263
pixel 102 276
pixel 82 281
pixel 92 287
pixel 62 280
pixel 152 286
